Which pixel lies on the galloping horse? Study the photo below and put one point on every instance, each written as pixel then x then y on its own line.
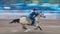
pixel 25 21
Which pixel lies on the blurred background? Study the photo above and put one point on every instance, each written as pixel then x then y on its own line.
pixel 10 9
pixel 14 9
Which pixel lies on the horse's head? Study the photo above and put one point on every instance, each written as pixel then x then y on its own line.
pixel 40 15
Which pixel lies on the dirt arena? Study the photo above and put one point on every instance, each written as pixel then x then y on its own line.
pixel 49 27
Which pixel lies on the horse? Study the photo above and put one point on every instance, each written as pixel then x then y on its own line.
pixel 25 22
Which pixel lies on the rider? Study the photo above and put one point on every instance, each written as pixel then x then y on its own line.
pixel 32 16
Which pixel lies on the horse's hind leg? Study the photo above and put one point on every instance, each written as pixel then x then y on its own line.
pixel 24 26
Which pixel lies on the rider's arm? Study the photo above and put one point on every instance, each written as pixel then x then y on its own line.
pixel 35 15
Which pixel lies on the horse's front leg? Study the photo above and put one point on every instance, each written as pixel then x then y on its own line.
pixel 37 26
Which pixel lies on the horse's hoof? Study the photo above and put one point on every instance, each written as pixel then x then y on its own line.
pixel 40 28
pixel 27 30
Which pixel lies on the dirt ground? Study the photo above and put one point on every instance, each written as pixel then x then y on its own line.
pixel 49 27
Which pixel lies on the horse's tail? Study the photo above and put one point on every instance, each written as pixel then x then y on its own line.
pixel 11 22
pixel 15 21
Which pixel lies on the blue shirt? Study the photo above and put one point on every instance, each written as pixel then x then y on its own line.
pixel 33 14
